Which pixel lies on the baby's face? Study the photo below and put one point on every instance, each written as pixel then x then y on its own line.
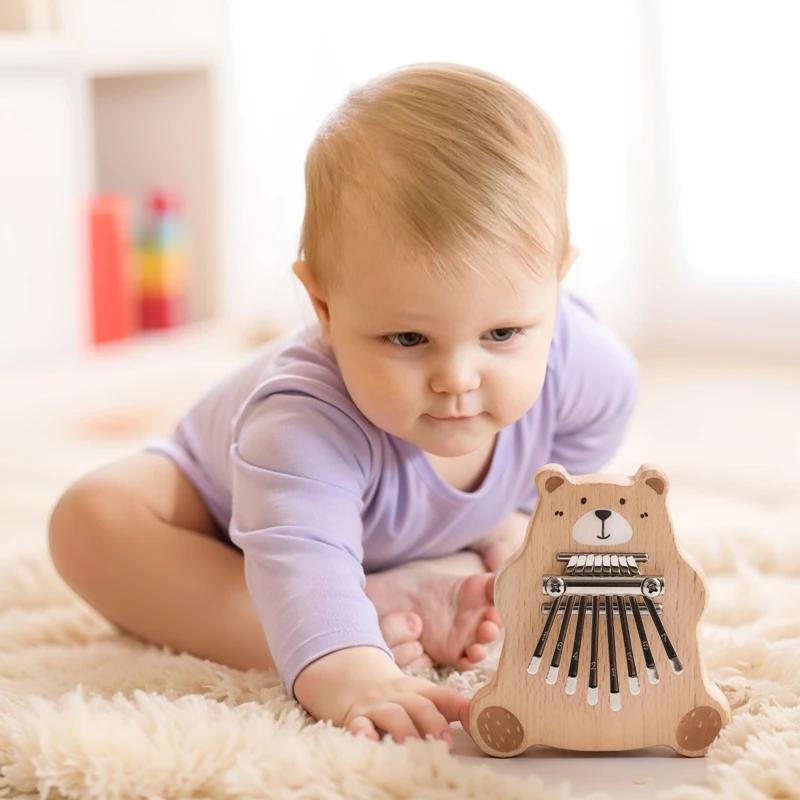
pixel 442 365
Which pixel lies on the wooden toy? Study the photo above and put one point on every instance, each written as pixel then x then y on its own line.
pixel 163 274
pixel 601 609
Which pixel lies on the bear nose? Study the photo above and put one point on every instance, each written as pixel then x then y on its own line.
pixel 602 514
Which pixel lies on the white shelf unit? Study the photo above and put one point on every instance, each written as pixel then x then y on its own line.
pixel 136 102
pixel 43 178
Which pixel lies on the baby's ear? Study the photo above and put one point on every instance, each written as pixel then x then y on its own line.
pixel 550 478
pixel 653 477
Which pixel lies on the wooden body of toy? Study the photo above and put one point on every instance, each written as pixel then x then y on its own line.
pixel 577 678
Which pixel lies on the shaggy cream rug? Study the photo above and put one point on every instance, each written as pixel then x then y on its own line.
pixel 88 713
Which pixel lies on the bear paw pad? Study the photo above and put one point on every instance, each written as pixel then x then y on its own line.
pixel 500 729
pixel 698 728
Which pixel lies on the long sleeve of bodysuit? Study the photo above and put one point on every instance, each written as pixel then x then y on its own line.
pixel 299 467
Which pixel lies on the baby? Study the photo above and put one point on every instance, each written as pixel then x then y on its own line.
pixel 337 508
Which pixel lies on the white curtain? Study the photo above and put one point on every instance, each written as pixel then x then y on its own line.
pixel 732 95
pixel 678 121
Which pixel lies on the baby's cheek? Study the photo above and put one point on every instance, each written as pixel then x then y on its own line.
pixel 520 391
pixel 383 397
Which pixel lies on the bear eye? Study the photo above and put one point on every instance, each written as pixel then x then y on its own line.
pixel 622 501
pixel 583 501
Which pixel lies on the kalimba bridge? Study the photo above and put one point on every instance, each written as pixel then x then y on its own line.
pixel 625 591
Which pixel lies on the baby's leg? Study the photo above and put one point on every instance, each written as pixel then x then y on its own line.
pixel 454 597
pixel 135 540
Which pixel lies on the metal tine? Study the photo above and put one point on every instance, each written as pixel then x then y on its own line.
pixel 615 564
pixel 606 565
pixel 616 701
pixel 633 678
pixel 536 658
pixel 581 565
pixel 598 565
pixel 623 565
pixel 589 567
pixel 572 675
pixel 573 560
pixel 552 673
pixel 674 661
pixel 591 696
pixel 652 672
pixel 634 567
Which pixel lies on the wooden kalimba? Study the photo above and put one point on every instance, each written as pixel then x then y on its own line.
pixel 599 589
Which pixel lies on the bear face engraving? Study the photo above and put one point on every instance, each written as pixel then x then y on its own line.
pixel 603 514
pixel 602 526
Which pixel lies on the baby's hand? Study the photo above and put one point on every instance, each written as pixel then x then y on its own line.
pixel 407 708
pixel 362 689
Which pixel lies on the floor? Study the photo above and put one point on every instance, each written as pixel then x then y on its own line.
pixel 724 426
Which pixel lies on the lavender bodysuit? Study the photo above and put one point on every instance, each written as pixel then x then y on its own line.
pixel 316 496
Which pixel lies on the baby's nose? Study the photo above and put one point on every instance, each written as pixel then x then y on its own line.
pixel 602 514
pixel 455 377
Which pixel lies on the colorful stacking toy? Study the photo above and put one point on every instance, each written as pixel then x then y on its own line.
pixel 163 279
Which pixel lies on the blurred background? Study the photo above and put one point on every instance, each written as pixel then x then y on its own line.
pixel 151 156
pixel 151 196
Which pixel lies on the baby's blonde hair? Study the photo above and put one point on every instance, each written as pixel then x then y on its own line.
pixel 452 166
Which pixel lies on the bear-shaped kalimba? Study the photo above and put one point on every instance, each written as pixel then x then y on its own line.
pixel 599 589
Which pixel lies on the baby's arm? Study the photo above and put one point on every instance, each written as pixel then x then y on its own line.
pixel 297 470
pixel 361 689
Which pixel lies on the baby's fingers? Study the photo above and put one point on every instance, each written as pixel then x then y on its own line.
pixel 453 707
pixel 395 720
pixel 361 726
pixel 427 718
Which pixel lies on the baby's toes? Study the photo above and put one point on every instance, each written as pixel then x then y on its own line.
pixel 490 581
pixel 410 654
pixel 493 615
pixel 420 662
pixel 401 631
pixel 487 631
pixel 473 654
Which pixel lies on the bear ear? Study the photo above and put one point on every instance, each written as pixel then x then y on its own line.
pixel 550 477
pixel 654 478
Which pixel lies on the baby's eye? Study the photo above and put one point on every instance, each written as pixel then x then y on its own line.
pixel 405 339
pixel 503 334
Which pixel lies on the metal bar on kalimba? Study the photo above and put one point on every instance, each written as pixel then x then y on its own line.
pixel 572 675
pixel 591 696
pixel 633 679
pixel 552 673
pixel 573 563
pixel 674 661
pixel 616 702
pixel 536 659
pixel 652 672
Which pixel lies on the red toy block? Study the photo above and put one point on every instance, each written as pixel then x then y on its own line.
pixel 113 300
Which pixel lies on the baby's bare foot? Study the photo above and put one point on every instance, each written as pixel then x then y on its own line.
pixel 457 612
pixel 401 631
